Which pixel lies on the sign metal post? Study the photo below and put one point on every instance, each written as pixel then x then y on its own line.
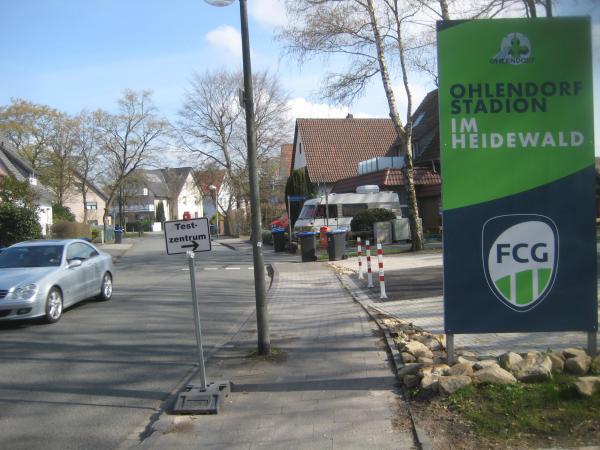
pixel 190 236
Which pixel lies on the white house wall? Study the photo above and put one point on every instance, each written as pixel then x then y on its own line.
pixel 189 200
pixel 299 157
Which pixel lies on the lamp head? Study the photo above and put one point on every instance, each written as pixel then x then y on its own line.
pixel 219 2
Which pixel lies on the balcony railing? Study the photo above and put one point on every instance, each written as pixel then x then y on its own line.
pixel 377 164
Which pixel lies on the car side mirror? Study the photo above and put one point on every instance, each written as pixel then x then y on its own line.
pixel 74 263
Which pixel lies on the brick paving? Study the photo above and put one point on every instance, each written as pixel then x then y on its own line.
pixel 332 388
pixel 414 290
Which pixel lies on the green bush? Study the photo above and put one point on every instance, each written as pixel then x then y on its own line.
pixel 18 224
pixel 362 222
pixel 147 224
pixel 61 213
pixel 67 230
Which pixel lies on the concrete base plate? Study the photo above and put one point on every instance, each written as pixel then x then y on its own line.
pixel 195 400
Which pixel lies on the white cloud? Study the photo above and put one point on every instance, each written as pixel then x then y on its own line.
pixel 270 13
pixel 226 37
pixel 302 108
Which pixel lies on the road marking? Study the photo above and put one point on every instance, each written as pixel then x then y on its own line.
pixel 211 268
pixel 251 268
pixel 232 268
pixel 186 269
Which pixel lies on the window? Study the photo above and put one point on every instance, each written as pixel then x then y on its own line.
pixel 308 212
pixel 333 212
pixel 81 251
pixel 145 191
pixel 91 205
pixel 352 209
pixel 418 120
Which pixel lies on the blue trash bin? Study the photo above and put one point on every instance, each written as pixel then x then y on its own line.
pixel 278 239
pixel 118 235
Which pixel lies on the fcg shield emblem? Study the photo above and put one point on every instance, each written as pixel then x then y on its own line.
pixel 520 258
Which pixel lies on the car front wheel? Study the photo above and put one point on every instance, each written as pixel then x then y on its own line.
pixel 107 288
pixel 54 306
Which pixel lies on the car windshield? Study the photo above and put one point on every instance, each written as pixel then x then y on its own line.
pixel 308 212
pixel 31 256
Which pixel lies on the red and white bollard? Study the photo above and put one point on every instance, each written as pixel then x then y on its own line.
pixel 369 273
pixel 360 268
pixel 381 274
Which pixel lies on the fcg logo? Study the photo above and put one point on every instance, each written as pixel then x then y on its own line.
pixel 520 258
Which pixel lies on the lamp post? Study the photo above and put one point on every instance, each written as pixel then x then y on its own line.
pixel 262 322
pixel 213 188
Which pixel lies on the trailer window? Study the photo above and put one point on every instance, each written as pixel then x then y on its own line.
pixel 333 212
pixel 351 209
pixel 308 212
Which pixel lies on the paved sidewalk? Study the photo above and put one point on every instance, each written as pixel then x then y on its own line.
pixel 331 389
pixel 414 290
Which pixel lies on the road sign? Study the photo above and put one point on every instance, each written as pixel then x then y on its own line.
pixel 182 236
pixel 517 148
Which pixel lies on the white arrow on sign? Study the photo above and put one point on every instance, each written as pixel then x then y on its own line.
pixel 182 236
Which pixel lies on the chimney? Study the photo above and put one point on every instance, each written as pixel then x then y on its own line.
pixel 349 116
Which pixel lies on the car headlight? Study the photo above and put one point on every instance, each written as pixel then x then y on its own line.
pixel 26 292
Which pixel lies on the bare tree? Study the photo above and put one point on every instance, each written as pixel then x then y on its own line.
pixel 366 33
pixel 58 171
pixel 212 125
pixel 129 140
pixel 88 153
pixel 29 127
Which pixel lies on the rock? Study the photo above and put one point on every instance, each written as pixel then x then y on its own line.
pixel 588 386
pixel 467 354
pixel 438 360
pixel 464 369
pixel 509 359
pixel 434 369
pixel 449 385
pixel 558 362
pixel 408 358
pixel 485 364
pixel 534 368
pixel 418 349
pixel 431 343
pixel 409 369
pixel 578 365
pixel 463 360
pixel 494 374
pixel 573 352
pixel 411 381
pixel 430 382
pixel 441 339
pixel 596 362
pixel 424 360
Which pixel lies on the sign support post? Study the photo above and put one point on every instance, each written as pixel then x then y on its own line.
pixel 207 398
pixel 192 265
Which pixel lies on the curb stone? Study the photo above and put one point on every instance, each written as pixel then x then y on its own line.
pixel 421 440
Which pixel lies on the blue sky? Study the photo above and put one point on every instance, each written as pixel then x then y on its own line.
pixel 76 54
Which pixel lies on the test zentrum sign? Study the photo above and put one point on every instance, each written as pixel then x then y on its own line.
pixel 517 151
pixel 182 236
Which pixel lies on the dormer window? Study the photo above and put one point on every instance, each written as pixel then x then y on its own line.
pixel 145 191
pixel 418 120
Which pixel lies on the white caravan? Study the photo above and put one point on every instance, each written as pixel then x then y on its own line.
pixel 342 208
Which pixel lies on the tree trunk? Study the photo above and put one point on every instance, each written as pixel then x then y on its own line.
pixel 84 198
pixel 405 137
pixel 444 10
pixel 548 6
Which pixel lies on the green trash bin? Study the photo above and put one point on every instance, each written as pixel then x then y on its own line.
pixel 309 246
pixel 336 244
pixel 278 239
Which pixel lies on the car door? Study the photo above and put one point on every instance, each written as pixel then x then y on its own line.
pixel 93 271
pixel 75 279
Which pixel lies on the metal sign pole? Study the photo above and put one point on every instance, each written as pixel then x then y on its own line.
pixel 192 265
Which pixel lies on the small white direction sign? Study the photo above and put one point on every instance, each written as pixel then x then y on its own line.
pixel 182 236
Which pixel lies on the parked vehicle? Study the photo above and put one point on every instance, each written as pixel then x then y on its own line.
pixel 39 279
pixel 342 208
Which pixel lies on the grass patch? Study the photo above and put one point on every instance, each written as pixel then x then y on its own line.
pixel 538 410
pixel 276 355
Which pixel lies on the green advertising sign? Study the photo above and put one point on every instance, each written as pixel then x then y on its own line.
pixel 517 152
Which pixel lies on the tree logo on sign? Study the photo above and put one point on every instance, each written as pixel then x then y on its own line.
pixel 515 49
pixel 520 258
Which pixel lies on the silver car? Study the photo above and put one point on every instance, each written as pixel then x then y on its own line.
pixel 38 279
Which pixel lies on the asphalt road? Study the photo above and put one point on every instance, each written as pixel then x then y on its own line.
pixel 104 369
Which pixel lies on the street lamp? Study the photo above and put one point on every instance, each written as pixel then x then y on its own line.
pixel 213 188
pixel 264 344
